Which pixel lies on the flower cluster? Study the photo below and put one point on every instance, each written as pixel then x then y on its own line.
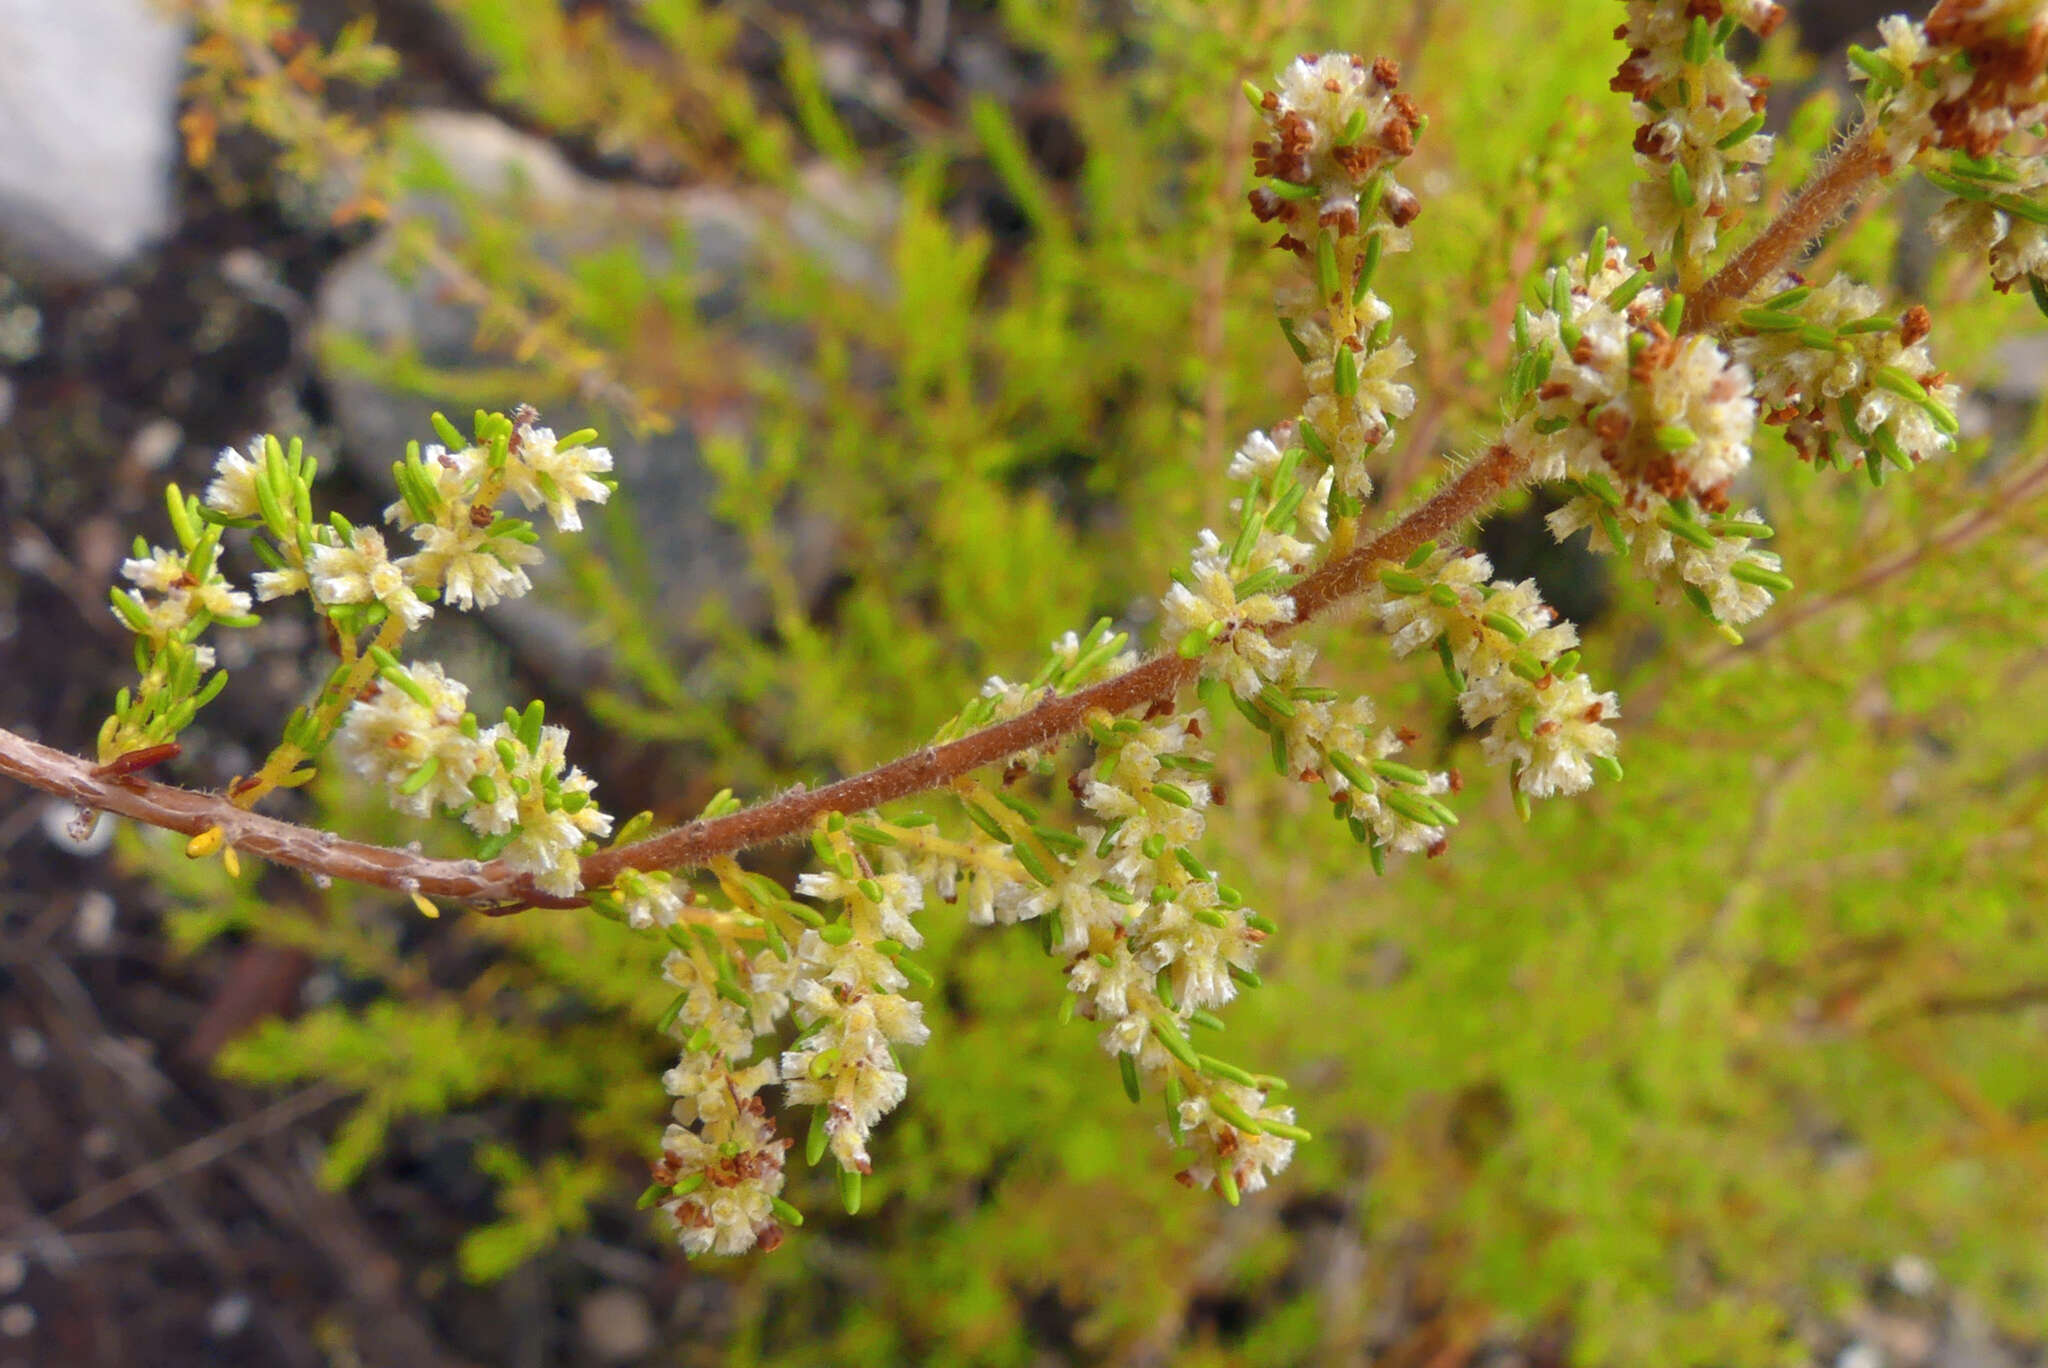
pixel 413 736
pixel 1701 137
pixel 405 727
pixel 1338 127
pixel 177 595
pixel 1963 96
pixel 720 1174
pixel 1998 210
pixel 1647 424
pixel 1967 78
pixel 1513 662
pixel 1152 940
pixel 848 1002
pixel 1846 379
pixel 1647 427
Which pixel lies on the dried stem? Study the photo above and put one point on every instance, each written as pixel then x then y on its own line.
pixel 1475 489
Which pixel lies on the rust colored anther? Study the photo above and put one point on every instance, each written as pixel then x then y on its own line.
pixel 1914 325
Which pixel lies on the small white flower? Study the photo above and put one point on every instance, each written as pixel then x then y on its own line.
pixel 233 488
pixel 361 571
pixel 1258 458
pixel 472 567
pixel 159 572
pixel 649 898
pixel 542 474
pixel 390 736
pixel 276 584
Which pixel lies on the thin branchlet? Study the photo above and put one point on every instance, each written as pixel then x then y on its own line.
pixel 189 812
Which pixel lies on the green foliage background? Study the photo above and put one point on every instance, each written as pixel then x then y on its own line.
pixel 1671 1067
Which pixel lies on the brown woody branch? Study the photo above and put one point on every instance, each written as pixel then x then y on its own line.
pixel 1859 162
pixel 1855 166
pixel 1474 489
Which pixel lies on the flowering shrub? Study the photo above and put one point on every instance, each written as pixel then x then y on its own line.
pixel 1639 385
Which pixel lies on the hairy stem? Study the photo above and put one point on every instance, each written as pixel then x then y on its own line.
pixel 1853 169
pixel 1471 492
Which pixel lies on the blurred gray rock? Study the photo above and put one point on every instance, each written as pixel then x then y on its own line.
pixel 87 105
pixel 615 1324
pixel 663 476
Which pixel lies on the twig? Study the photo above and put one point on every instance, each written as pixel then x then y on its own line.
pixel 187 1158
pixel 1475 489
pixel 1852 169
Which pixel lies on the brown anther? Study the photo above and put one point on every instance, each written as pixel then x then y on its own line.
pixel 1341 217
pixel 1405 735
pixel 1611 425
pixel 1657 356
pixel 1582 351
pixel 1386 71
pixel 1595 712
pixel 1266 205
pixel 1457 781
pixel 1437 847
pixel 1358 162
pixel 1662 474
pixel 1915 324
pixel 1657 141
pixel 1219 793
pixel 1160 708
pixel 1632 77
pixel 482 516
pixel 1553 389
pixel 1401 205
